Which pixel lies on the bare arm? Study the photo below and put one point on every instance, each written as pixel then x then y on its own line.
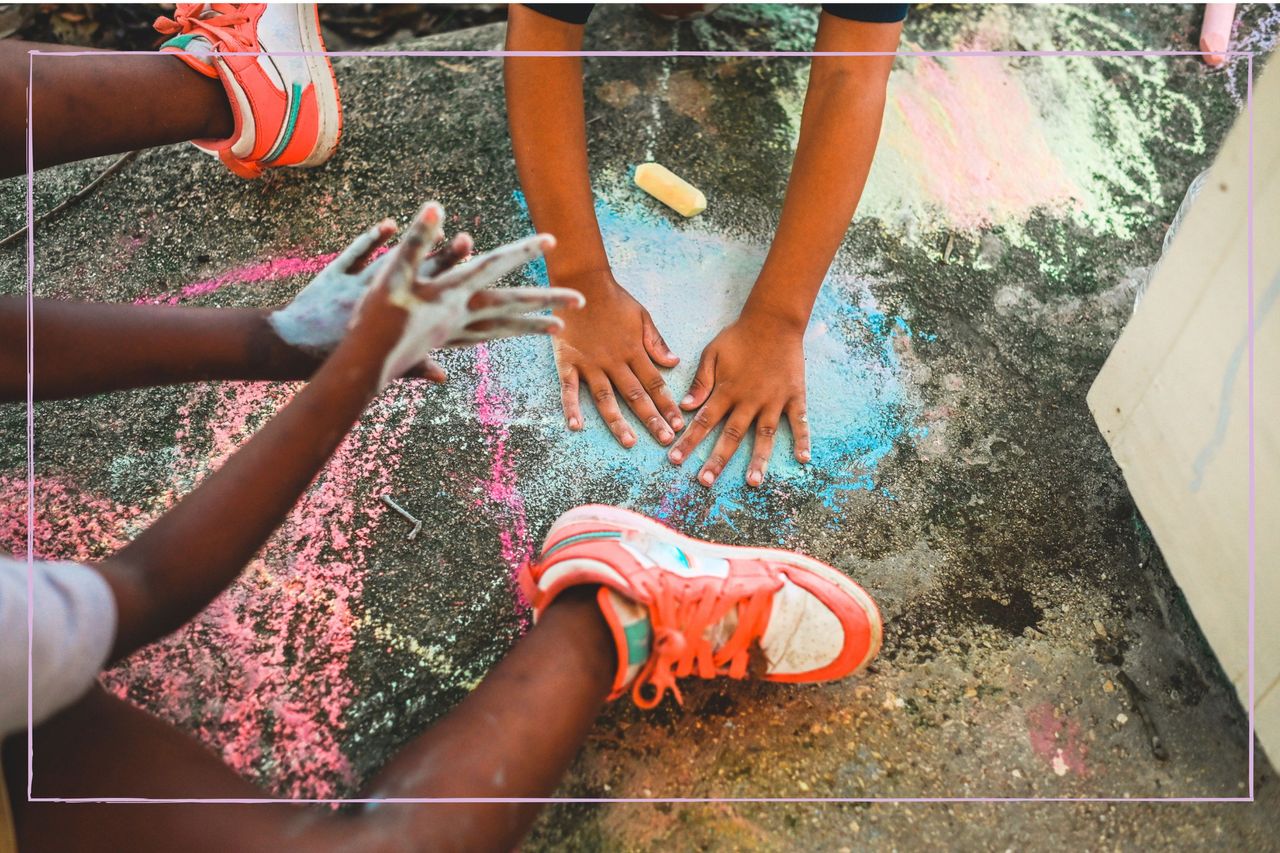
pixel 85 348
pixel 839 129
pixel 753 372
pixel 549 135
pixel 612 348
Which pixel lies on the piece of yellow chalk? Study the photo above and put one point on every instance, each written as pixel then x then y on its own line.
pixel 670 189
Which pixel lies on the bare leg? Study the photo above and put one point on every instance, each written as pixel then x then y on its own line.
pixel 106 103
pixel 512 737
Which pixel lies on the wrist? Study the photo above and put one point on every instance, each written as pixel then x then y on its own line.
pixel 360 358
pixel 282 359
pixel 589 280
pixel 774 319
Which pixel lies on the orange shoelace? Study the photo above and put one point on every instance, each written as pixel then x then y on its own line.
pixel 680 618
pixel 215 21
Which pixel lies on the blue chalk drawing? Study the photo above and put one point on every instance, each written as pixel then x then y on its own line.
pixel 694 283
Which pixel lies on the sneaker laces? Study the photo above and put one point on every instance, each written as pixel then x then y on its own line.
pixel 682 613
pixel 214 21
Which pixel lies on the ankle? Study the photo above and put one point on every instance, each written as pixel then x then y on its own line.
pixel 577 610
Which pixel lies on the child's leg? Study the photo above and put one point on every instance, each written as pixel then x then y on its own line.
pixel 104 103
pixel 512 737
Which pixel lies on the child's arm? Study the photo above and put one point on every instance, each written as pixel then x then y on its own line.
pixel 84 348
pixel 754 370
pixel 175 567
pixel 611 347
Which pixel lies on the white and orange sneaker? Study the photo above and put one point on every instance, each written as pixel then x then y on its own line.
pixel 285 104
pixel 678 606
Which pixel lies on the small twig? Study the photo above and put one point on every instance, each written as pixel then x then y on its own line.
pixel 119 164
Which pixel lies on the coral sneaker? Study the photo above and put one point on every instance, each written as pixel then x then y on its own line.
pixel 285 105
pixel 678 606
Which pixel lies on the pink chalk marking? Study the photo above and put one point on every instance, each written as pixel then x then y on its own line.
pixel 1056 740
pixel 251 274
pixel 69 524
pixel 261 675
pixel 500 490
pixel 961 116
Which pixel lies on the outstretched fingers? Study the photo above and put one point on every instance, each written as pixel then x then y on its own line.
pixel 491 266
pixel 735 429
pixel 637 394
pixel 501 302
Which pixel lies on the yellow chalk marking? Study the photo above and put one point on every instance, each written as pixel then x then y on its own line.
pixel 670 189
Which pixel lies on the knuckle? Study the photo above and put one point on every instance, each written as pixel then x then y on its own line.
pixel 634 394
pixel 602 395
pixel 768 431
pixel 716 461
pixel 655 384
pixel 703 419
pixel 733 432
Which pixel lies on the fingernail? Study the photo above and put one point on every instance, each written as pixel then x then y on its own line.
pixel 707 478
pixel 628 439
pixel 665 436
pixel 804 456
pixel 754 478
pixel 677 422
pixel 574 423
pixel 687 401
pixel 675 456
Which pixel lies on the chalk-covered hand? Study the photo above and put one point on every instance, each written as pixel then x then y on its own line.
pixel 418 303
pixel 316 320
pixel 752 372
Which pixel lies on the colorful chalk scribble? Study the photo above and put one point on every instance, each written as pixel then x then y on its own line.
pixel 694 283
pixel 1084 150
pixel 262 675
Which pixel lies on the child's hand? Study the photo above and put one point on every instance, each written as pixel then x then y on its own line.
pixel 613 344
pixel 419 304
pixel 316 320
pixel 752 371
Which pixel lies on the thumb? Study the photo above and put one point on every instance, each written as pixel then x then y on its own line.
pixel 703 381
pixel 655 345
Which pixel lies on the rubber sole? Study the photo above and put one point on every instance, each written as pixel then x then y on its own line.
pixel 326 86
pixel 616 516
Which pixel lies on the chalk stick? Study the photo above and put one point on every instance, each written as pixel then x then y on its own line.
pixel 667 187
pixel 1215 32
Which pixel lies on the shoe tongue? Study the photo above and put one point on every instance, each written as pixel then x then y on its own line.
pixel 719 633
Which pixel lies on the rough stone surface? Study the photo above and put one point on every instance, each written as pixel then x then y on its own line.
pixel 958 475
